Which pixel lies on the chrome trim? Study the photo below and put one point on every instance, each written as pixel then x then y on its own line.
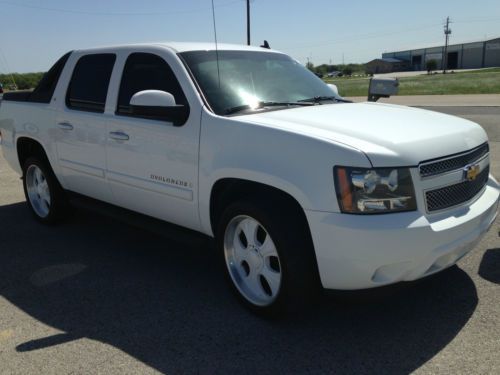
pixel 424 191
pixel 473 199
pixel 439 160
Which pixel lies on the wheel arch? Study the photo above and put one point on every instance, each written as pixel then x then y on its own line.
pixel 27 147
pixel 227 190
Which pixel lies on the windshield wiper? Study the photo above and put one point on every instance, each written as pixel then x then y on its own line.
pixel 319 99
pixel 245 107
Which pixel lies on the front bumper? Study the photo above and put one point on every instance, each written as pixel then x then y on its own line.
pixel 357 251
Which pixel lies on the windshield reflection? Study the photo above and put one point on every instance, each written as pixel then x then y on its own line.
pixel 250 79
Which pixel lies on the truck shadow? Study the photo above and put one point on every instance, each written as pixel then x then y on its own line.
pixel 489 269
pixel 165 303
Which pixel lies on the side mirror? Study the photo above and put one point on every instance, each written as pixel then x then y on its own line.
pixel 382 88
pixel 334 88
pixel 152 98
pixel 158 105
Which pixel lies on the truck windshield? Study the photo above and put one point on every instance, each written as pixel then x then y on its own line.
pixel 252 79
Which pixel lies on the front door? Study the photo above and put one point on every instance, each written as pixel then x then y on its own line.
pixel 152 165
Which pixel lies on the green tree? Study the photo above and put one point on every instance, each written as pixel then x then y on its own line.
pixel 431 65
pixel 24 81
pixel 347 71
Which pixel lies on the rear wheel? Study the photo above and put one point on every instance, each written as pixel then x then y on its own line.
pixel 268 256
pixel 44 195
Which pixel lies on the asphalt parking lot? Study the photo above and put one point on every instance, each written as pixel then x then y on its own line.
pixel 99 295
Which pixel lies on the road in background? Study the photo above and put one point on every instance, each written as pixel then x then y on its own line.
pixel 418 73
pixel 475 100
pixel 98 295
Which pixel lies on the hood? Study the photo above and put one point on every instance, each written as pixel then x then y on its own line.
pixel 389 135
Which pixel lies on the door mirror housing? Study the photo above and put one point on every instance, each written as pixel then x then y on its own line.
pixel 153 98
pixel 334 88
pixel 158 105
pixel 382 88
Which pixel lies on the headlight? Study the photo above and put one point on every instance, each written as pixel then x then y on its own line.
pixel 375 190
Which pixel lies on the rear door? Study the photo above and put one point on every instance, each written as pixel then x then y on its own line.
pixel 81 126
pixel 152 165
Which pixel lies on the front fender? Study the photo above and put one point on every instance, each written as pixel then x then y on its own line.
pixel 294 163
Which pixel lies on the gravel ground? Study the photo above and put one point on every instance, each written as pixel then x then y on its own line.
pixel 97 295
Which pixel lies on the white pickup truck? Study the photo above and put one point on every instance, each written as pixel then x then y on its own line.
pixel 300 188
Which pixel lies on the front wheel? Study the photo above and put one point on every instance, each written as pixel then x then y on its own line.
pixel 268 256
pixel 252 260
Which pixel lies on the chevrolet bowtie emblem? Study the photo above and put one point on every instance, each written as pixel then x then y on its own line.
pixel 471 172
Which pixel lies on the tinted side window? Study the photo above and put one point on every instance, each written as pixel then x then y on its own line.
pixel 89 84
pixel 145 71
pixel 45 89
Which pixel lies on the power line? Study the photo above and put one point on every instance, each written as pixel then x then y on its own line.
pixel 473 20
pixel 378 34
pixel 362 37
pixel 97 13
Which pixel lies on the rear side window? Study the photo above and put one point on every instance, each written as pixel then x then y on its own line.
pixel 45 89
pixel 89 83
pixel 145 71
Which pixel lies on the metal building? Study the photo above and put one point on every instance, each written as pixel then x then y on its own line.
pixel 482 54
pixel 386 65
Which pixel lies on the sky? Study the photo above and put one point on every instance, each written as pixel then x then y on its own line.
pixel 35 33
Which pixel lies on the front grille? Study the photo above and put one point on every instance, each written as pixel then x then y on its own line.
pixel 456 194
pixel 443 165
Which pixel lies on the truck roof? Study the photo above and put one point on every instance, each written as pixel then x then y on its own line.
pixel 182 47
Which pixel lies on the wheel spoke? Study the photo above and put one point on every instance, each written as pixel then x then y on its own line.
pixel 38 176
pixel 249 227
pixel 40 189
pixel 268 249
pixel 253 283
pixel 273 278
pixel 45 203
pixel 44 185
pixel 46 197
pixel 238 249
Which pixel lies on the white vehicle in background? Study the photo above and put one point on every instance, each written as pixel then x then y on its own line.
pixel 300 188
pixel 333 74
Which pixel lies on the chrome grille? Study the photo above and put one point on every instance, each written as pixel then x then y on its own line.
pixel 456 194
pixel 443 165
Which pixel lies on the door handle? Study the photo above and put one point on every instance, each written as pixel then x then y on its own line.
pixel 119 136
pixel 65 126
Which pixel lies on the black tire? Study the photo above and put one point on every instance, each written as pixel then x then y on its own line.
pixel 59 206
pixel 300 284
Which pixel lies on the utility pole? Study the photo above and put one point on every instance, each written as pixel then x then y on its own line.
pixel 248 22
pixel 447 32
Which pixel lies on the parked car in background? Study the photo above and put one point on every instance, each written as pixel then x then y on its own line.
pixel 334 74
pixel 300 188
pixel 1 88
